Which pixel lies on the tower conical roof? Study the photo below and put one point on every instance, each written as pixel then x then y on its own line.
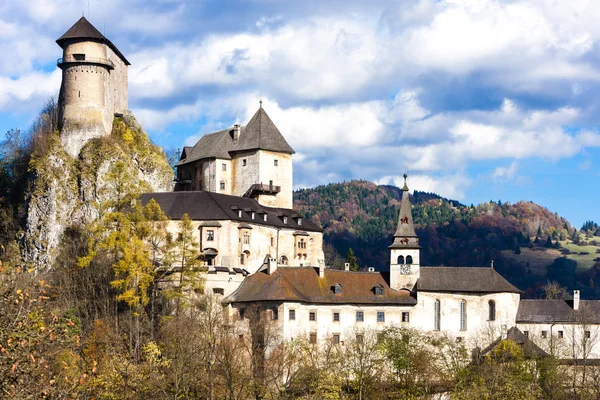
pixel 83 30
pixel 261 133
pixel 405 236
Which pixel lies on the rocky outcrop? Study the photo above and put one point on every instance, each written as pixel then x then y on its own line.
pixel 68 191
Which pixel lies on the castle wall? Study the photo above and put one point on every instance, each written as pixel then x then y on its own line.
pixel 228 240
pixel 243 176
pixel 281 175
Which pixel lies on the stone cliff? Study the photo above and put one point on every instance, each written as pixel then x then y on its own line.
pixel 67 191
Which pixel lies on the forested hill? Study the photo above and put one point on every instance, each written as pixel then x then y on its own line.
pixel 363 216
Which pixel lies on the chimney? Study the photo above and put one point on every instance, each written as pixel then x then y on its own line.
pixel 576 298
pixel 321 269
pixel 272 267
pixel 237 128
pixel 347 267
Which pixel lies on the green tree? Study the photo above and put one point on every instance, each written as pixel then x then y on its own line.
pixel 352 260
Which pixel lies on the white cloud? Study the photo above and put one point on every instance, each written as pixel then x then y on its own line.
pixel 28 91
pixel 503 174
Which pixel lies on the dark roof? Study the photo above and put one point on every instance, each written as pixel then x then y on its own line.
pixel 303 284
pixel 549 311
pixel 405 236
pixel 463 279
pixel 84 30
pixel 530 349
pixel 209 206
pixel 260 134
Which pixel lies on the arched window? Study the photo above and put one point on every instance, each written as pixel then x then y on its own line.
pixel 283 260
pixel 436 315
pixel 463 315
pixel 400 259
pixel 409 259
pixel 491 310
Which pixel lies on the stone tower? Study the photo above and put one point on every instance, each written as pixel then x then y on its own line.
pixel 405 250
pixel 94 85
pixel 248 161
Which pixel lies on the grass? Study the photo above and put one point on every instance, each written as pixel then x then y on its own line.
pixel 540 258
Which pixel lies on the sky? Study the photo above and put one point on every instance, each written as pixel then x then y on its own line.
pixel 479 99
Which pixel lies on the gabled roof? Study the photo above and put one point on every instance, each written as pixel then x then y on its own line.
pixel 303 284
pixel 260 134
pixel 83 30
pixel 550 311
pixel 530 349
pixel 464 280
pixel 209 206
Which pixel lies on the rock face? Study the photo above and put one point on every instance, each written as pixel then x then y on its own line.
pixel 67 191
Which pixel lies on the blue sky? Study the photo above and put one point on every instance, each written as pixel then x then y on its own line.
pixel 481 99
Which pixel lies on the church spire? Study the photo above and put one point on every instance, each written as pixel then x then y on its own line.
pixel 405 236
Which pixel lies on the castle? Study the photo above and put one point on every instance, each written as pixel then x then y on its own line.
pixel 236 186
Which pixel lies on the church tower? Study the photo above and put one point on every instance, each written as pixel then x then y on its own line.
pixel 93 88
pixel 405 250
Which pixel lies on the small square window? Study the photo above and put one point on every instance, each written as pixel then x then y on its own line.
pixel 312 316
pixel 276 162
pixel 218 291
pixel 560 334
pixel 312 339
pixel 292 315
pixel 544 334
pixel 223 167
pixel 222 185
pixel 336 338
pixel 380 316
pixel 210 235
pixel 360 316
pixel 244 162
pixel 405 316
pixel 359 338
pixel 526 333
pixel 336 317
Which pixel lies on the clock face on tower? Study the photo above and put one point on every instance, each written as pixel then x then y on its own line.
pixel 405 269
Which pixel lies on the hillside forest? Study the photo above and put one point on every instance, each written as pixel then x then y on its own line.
pixel 528 244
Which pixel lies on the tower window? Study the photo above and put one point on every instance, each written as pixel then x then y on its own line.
pixel 491 310
pixel 436 315
pixel 409 260
pixel 222 185
pixel 210 235
pixel 224 167
pixel 79 57
pixel 463 315
pixel 400 259
pixel 246 238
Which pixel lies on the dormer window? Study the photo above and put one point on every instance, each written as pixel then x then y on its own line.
pixel 285 219
pixel 379 290
pixel 299 221
pixel 239 213
pixel 337 288
pixel 252 215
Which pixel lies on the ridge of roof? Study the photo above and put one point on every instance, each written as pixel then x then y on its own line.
pixel 83 29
